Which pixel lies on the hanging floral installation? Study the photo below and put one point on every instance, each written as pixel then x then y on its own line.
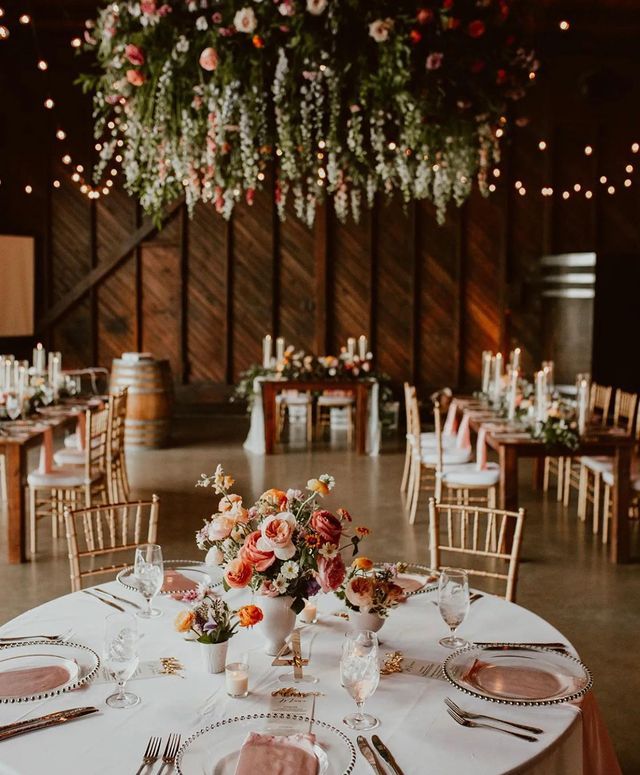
pixel 343 99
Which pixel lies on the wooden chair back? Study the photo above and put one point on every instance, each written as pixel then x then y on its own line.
pixel 477 535
pixel 600 402
pixel 117 416
pixel 624 410
pixel 96 441
pixel 98 533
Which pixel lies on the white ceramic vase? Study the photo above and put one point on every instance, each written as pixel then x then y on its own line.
pixel 213 656
pixel 360 621
pixel 278 621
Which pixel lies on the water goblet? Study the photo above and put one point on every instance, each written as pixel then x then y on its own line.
pixel 121 656
pixel 148 571
pixel 453 602
pixel 360 675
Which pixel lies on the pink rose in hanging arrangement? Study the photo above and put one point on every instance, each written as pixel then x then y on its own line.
pixel 434 61
pixel 379 30
pixel 316 7
pixel 135 77
pixel 148 6
pixel 209 59
pixel 134 54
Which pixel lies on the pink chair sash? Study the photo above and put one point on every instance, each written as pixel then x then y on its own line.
pixel 451 423
pixel 46 452
pixel 81 429
pixel 481 449
pixel 463 439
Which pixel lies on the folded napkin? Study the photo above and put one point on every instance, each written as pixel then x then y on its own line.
pixel 46 452
pixel 451 423
pixel 481 449
pixel 463 439
pixel 175 581
pixel 277 755
pixel 32 680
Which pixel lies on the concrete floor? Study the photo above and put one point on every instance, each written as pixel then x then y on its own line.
pixel 565 576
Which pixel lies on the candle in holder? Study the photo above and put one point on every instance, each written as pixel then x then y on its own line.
pixel 497 378
pixel 237 679
pixel 583 406
pixel 351 346
pixel 266 351
pixel 548 367
pixel 487 357
pixel 362 347
pixel 513 390
pixel 515 358
pixel 541 395
pixel 39 358
pixel 280 349
pixel 309 613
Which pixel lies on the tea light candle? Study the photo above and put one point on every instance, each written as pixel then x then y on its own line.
pixel 237 679
pixel 266 352
pixel 309 613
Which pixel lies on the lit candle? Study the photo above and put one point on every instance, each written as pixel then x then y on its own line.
pixel 237 679
pixel 583 405
pixel 266 352
pixel 363 345
pixel 541 395
pixel 7 375
pixel 548 366
pixel 513 389
pixel 39 356
pixel 2 360
pixel 309 613
pixel 280 349
pixel 54 374
pixel 487 357
pixel 497 378
pixel 515 359
pixel 351 346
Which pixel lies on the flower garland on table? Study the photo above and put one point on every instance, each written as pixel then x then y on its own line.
pixel 557 430
pixel 210 620
pixel 285 544
pixel 199 96
pixel 371 590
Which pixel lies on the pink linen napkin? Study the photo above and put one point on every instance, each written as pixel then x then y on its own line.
pixel 81 429
pixel 33 680
pixel 451 423
pixel 481 449
pixel 174 581
pixel 463 439
pixel 277 755
pixel 46 452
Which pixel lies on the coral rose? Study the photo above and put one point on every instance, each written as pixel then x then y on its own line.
pixel 379 30
pixel 184 621
pixel 327 526
pixel 209 61
pixel 134 54
pixel 395 593
pixel 362 563
pixel 135 77
pixel 249 615
pixel 331 573
pixel 277 534
pixel 359 592
pixel 261 560
pixel 229 501
pixel 220 527
pixel 238 573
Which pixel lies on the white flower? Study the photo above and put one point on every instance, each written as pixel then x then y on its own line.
pixel 245 20
pixel 280 584
pixel 182 44
pixel 328 551
pixel 316 7
pixel 201 23
pixel 379 30
pixel 214 556
pixel 289 569
pixel 328 480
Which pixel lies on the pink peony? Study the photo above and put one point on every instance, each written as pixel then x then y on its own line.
pixel 268 589
pixel 135 77
pixel 220 527
pixel 277 535
pixel 379 30
pixel 261 560
pixel 216 18
pixel 331 573
pixel 327 526
pixel 134 54
pixel 209 61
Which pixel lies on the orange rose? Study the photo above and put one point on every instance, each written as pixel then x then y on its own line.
pixel 362 563
pixel 184 621
pixel 249 552
pixel 359 592
pixel 238 573
pixel 249 615
pixel 276 499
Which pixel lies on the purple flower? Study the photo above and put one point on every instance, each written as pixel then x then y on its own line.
pixel 209 626
pixel 312 587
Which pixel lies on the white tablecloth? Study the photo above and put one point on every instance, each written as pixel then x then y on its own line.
pixel 414 723
pixel 255 438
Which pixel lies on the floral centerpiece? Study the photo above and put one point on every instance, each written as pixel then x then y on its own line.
pixel 210 621
pixel 284 547
pixel 370 593
pixel 558 430
pixel 340 99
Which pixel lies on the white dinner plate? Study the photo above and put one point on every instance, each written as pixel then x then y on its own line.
pixel 215 749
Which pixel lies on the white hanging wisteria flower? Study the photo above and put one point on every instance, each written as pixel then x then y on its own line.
pixel 245 20
pixel 316 7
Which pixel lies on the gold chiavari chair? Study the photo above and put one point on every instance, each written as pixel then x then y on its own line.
pixel 407 453
pixel 118 480
pixel 592 468
pixel 64 486
pixel 599 405
pixel 294 400
pixel 475 538
pixel 99 535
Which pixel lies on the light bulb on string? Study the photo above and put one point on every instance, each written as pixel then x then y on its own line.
pixel 635 148
pixel 76 43
pixel 49 103
pixel 565 195
pixel 629 168
pixel 588 150
pixel 66 159
pixel 75 177
pixel 492 187
pixel 588 194
pixel 564 25
pixel 603 179
pixel 542 145
pixel 627 182
pixel 611 190
pixel 61 134
pixel 28 189
pixel 4 32
pixel 56 184
pixel 42 65
pixel 1 12
pixel 24 18
pixel 577 188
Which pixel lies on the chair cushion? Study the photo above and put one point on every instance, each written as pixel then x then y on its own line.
pixel 607 478
pixel 69 457
pixel 472 477
pixel 335 400
pixel 428 441
pixel 449 456
pixel 66 476
pixel 71 441
pixel 597 464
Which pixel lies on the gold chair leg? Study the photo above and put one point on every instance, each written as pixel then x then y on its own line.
pixel 582 492
pixel 567 482
pixel 407 466
pixel 605 514
pixel 547 471
pixel 560 483
pixel 597 479
pixel 32 519
pixel 416 494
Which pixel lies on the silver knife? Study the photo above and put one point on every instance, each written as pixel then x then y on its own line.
pixel 386 754
pixel 102 600
pixel 367 752
pixel 51 719
pixel 121 599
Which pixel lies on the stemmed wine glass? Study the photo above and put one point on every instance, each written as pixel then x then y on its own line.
pixel 121 656
pixel 453 602
pixel 360 674
pixel 148 571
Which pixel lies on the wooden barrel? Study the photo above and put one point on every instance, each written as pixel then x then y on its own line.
pixel 149 401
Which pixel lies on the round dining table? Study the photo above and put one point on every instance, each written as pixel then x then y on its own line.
pixel 414 723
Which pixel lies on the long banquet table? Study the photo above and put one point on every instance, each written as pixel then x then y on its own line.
pixel 414 724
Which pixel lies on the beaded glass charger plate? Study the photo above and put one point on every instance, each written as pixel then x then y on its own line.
pixel 35 670
pixel 180 577
pixel 215 750
pixel 517 675
pixel 414 579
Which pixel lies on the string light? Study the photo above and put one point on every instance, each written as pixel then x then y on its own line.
pixel 4 32
pixel 564 25
pixel 66 159
pixel 42 65
pixel 522 191
pixel 627 182
pixel 79 168
pixel 1 12
pixel 603 179
pixel 588 150
pixel 28 189
pixel 76 42
pixel 629 168
pixel 492 187
pixel 49 103
pixel 56 184
pixel 577 188
pixel 635 148
pixel 496 173
pixel 588 194
pixel 499 133
pixel 565 194
pixel 611 190
pixel 75 177
pixel 61 134
pixel 24 18
pixel 542 145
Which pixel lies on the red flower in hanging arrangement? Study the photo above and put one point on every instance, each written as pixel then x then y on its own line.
pixel 216 17
pixel 257 41
pixel 476 28
pixel 501 77
pixel 425 15
pixel 415 36
pixel 447 4
pixel 134 54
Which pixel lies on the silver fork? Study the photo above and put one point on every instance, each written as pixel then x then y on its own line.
pixel 13 638
pixel 468 714
pixel 170 751
pixel 465 722
pixel 150 755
